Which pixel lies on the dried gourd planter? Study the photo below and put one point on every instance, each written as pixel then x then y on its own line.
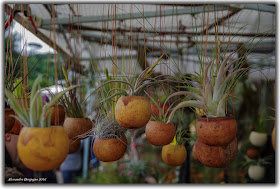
pixel 174 155
pixel 40 146
pixel 58 114
pixel 110 142
pixel 77 127
pixel 9 120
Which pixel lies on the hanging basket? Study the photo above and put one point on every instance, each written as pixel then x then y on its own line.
pixel 216 156
pixel 74 146
pixel 159 133
pixel 58 115
pixel 258 139
pixel 256 172
pixel 9 120
pixel 42 149
pixel 174 155
pixel 216 131
pixel 109 149
pixel 133 112
pixel 76 127
pixel 253 153
pixel 194 153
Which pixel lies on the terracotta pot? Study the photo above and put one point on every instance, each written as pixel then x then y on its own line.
pixel 74 146
pixel 42 149
pixel 76 127
pixel 133 112
pixel 159 133
pixel 109 149
pixel 253 153
pixel 273 138
pixel 9 120
pixel 258 139
pixel 216 131
pixel 155 110
pixel 194 153
pixel 216 156
pixel 58 115
pixel 174 155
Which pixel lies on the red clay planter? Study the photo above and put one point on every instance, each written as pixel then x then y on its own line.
pixel 58 115
pixel 77 126
pixel 109 149
pixel 9 120
pixel 217 157
pixel 133 112
pixel 216 131
pixel 159 133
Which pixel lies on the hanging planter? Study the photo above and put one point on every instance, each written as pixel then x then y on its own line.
pixel 258 139
pixel 9 120
pixel 217 157
pixel 253 153
pixel 110 142
pixel 174 155
pixel 218 131
pixel 77 127
pixel 256 172
pixel 159 133
pixel 74 146
pixel 40 147
pixel 194 153
pixel 58 114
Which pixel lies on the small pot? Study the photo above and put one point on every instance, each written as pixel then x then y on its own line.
pixel 9 120
pixel 133 112
pixel 256 172
pixel 216 131
pixel 159 133
pixel 58 115
pixel 194 153
pixel 174 155
pixel 216 156
pixel 74 146
pixel 42 149
pixel 253 153
pixel 155 110
pixel 258 139
pixel 76 127
pixel 109 149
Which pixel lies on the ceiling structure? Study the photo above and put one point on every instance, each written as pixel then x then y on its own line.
pixel 142 32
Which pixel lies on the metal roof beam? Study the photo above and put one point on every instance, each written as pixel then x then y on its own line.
pixel 150 14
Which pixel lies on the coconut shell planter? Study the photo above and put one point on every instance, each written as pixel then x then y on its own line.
pixel 133 112
pixel 9 120
pixel 58 115
pixel 74 146
pixel 109 149
pixel 42 149
pixel 159 133
pixel 76 127
pixel 174 155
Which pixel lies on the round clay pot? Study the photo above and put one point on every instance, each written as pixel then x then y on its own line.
pixel 256 172
pixel 42 149
pixel 273 138
pixel 159 133
pixel 74 146
pixel 58 115
pixel 216 131
pixel 257 139
pixel 174 155
pixel 194 153
pixel 216 156
pixel 109 149
pixel 253 153
pixel 16 128
pixel 133 112
pixel 76 127
pixel 155 110
pixel 9 120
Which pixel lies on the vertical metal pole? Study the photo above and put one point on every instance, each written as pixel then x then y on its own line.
pixel 85 157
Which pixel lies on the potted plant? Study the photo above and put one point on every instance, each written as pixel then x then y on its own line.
pixel 40 147
pixel 175 153
pixel 76 124
pixel 110 141
pixel 258 137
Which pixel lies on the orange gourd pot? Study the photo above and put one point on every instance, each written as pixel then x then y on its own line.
pixel 9 120
pixel 174 155
pixel 216 156
pixel 42 149
pixel 253 153
pixel 159 133
pixel 133 112
pixel 77 127
pixel 109 149
pixel 216 131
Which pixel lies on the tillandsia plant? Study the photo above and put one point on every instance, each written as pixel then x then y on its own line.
pixel 34 141
pixel 18 89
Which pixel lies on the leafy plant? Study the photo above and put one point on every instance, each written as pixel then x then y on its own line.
pixel 260 161
pixel 35 116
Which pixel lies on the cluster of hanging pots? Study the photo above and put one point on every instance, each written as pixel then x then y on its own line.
pixel 216 144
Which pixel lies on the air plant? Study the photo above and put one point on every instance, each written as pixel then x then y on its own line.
pixel 35 116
